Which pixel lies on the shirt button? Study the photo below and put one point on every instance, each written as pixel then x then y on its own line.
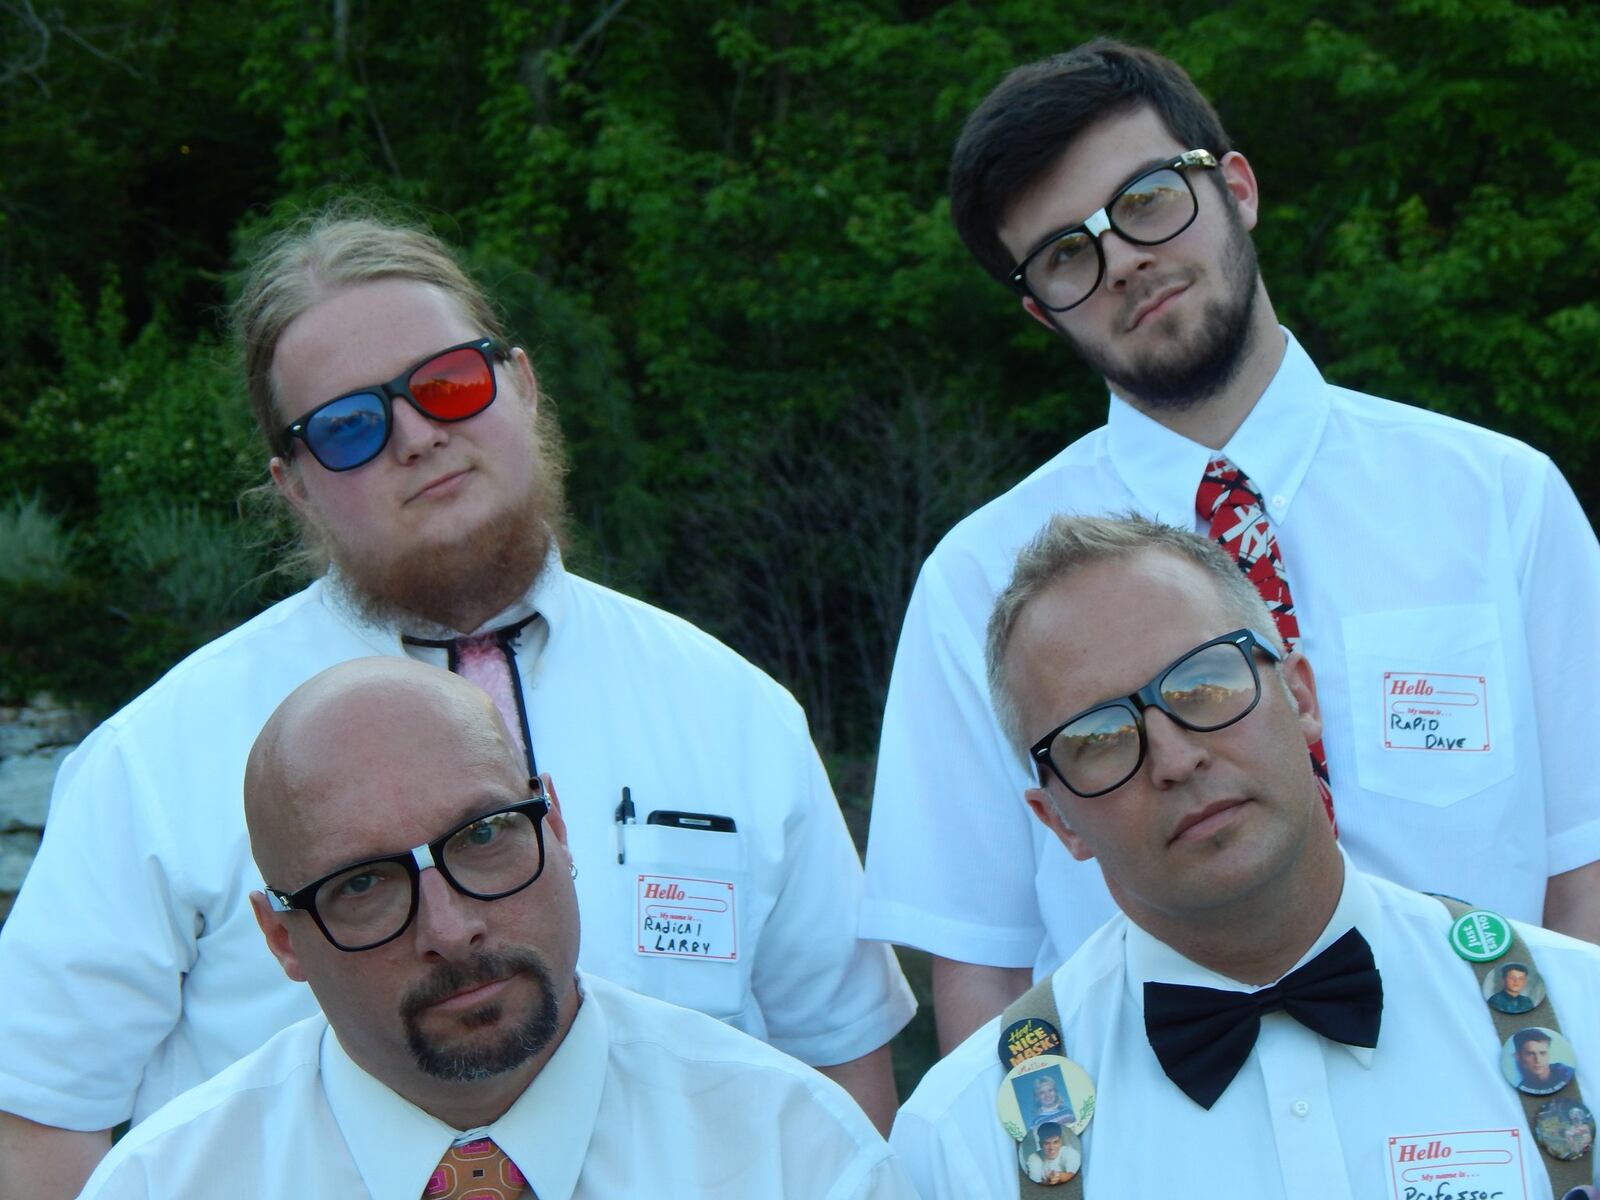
pixel 1279 501
pixel 1300 1108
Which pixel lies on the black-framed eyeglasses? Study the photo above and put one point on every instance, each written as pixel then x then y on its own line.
pixel 351 430
pixel 1209 688
pixel 369 903
pixel 1155 206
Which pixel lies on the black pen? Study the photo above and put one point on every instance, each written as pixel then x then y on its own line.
pixel 624 817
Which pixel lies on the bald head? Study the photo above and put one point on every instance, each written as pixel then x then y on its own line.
pixel 358 767
pixel 361 723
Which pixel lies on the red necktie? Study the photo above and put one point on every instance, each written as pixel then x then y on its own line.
pixel 1236 519
pixel 477 1170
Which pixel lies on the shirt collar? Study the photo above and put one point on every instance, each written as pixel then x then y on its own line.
pixel 1274 445
pixel 396 1145
pixel 548 597
pixel 1150 960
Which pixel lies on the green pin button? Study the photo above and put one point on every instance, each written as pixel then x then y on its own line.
pixel 1481 935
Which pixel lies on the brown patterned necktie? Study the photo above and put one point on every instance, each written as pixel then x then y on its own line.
pixel 1235 517
pixel 477 1170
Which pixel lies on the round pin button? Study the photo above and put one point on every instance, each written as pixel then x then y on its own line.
pixel 1537 1060
pixel 1051 1155
pixel 1023 1039
pixel 1513 987
pixel 1045 1088
pixel 1480 935
pixel 1565 1128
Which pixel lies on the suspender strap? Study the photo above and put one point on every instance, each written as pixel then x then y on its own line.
pixel 1038 1003
pixel 1564 1174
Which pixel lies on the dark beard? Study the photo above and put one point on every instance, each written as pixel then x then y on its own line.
pixel 1218 347
pixel 457 586
pixel 474 1061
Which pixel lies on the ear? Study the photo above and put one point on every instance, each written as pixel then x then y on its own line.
pixel 1240 181
pixel 1031 307
pixel 1044 807
pixel 555 822
pixel 276 930
pixel 1302 685
pixel 527 381
pixel 287 480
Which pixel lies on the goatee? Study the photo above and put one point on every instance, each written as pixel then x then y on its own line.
pixel 1216 350
pixel 464 1063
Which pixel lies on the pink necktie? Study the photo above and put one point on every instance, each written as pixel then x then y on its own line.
pixel 1236 519
pixel 490 661
pixel 477 1170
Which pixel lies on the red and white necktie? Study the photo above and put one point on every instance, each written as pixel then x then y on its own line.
pixel 1235 517
pixel 477 1170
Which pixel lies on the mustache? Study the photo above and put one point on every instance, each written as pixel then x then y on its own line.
pixel 449 978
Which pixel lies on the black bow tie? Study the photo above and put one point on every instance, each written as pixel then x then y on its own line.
pixel 1203 1035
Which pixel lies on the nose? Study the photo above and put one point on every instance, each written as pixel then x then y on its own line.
pixel 448 924
pixel 1123 259
pixel 412 434
pixel 1172 753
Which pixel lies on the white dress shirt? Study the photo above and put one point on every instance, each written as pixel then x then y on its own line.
pixel 641 1098
pixel 1304 1116
pixel 1422 552
pixel 133 966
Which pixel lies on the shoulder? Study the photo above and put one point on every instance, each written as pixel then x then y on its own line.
pixel 1372 416
pixel 599 625
pixel 229 1110
pixel 959 1090
pixel 981 549
pixel 272 648
pixel 642 1027
pixel 659 1045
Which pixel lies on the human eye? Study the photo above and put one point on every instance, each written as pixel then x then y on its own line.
pixel 360 886
pixel 1145 198
pixel 486 833
pixel 1065 250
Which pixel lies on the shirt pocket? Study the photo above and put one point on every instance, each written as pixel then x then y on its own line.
pixel 688 892
pixel 1428 702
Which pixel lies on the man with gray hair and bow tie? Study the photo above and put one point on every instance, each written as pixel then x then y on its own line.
pixel 1260 1018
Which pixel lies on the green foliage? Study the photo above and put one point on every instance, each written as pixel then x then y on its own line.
pixel 721 229
pixel 36 549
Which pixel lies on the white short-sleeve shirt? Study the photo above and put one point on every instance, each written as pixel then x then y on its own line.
pixel 1305 1115
pixel 641 1098
pixel 132 962
pixel 1447 587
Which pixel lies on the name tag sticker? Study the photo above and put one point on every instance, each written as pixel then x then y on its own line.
pixel 1430 711
pixel 679 917
pixel 1476 1164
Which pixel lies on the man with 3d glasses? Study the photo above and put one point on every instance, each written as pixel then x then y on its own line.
pixel 459 1051
pixel 717 870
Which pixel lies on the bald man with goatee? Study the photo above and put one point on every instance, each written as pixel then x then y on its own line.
pixel 422 886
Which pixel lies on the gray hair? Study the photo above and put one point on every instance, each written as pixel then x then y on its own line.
pixel 1069 543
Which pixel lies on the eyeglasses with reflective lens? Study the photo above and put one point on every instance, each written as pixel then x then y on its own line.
pixel 374 901
pixel 1156 206
pixel 1209 688
pixel 350 431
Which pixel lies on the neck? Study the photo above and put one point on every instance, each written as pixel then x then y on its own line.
pixel 1257 938
pixel 1212 421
